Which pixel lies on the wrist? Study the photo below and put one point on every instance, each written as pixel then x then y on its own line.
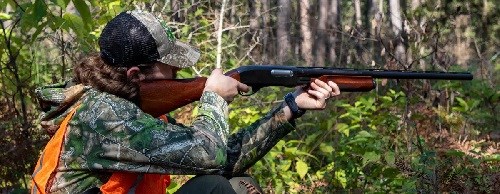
pixel 296 112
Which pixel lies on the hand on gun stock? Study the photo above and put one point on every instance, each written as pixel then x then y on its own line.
pixel 225 86
pixel 314 95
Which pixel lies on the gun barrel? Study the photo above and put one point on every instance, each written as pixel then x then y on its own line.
pixel 291 71
pixel 418 74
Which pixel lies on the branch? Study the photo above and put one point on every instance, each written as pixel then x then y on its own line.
pixel 235 27
pixel 219 35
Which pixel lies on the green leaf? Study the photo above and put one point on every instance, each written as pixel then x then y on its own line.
pixel 356 126
pixel 84 11
pixel 311 138
pixel 390 172
pixel 115 7
pixel 357 140
pixel 390 158
pixel 387 98
pixel 184 73
pixel 462 103
pixel 492 158
pixel 343 128
pixel 39 11
pixel 5 16
pixel 301 168
pixel 341 178
pixel 61 3
pixel 284 165
pixel 370 157
pixel 344 115
pixel 320 174
pixel 75 23
pixel 364 134
pixel 280 144
pixel 198 12
pixel 290 151
pixel 325 148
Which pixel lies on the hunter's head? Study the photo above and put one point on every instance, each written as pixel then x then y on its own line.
pixel 134 46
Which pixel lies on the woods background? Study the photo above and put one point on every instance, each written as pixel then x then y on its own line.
pixel 416 136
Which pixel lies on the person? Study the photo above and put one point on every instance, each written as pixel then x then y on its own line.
pixel 102 142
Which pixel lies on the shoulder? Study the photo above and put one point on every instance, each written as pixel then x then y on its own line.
pixel 104 111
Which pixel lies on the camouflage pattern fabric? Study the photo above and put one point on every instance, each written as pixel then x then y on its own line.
pixel 108 134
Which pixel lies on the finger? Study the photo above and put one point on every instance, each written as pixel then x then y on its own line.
pixel 316 87
pixel 229 99
pixel 335 88
pixel 323 85
pixel 318 95
pixel 243 87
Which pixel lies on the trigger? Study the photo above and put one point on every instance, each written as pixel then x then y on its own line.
pixel 250 92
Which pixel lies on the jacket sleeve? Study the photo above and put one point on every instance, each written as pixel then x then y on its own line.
pixel 250 144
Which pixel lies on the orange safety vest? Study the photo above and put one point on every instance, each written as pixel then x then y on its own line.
pixel 118 183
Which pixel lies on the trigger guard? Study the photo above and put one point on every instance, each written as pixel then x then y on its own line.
pixel 252 91
pixel 247 93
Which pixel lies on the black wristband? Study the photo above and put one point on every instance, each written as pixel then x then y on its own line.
pixel 296 111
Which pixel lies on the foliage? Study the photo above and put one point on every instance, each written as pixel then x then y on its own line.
pixel 407 136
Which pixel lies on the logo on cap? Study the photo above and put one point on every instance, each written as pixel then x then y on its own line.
pixel 168 31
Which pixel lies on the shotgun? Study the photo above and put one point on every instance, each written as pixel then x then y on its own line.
pixel 159 97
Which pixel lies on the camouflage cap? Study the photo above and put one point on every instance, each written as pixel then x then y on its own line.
pixel 138 37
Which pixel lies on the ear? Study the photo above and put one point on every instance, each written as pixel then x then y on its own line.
pixel 135 71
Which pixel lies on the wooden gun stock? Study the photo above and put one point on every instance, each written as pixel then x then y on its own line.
pixel 351 83
pixel 163 96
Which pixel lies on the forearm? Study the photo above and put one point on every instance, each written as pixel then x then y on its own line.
pixel 287 113
pixel 250 144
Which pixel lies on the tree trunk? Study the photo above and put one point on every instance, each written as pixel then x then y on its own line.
pixel 255 30
pixel 265 32
pixel 415 4
pixel 305 30
pixel 321 33
pixel 374 23
pixel 177 15
pixel 357 11
pixel 283 46
pixel 397 29
pixel 334 24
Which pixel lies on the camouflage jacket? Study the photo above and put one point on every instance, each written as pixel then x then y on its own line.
pixel 108 133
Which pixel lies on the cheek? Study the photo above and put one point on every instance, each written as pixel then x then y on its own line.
pixel 167 73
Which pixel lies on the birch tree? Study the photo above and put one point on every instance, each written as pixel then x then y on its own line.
pixel 397 29
pixel 374 23
pixel 305 30
pixel 283 46
pixel 321 33
pixel 333 25
pixel 255 28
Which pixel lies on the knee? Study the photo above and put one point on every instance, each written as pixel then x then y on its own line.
pixel 245 184
pixel 216 180
pixel 207 184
